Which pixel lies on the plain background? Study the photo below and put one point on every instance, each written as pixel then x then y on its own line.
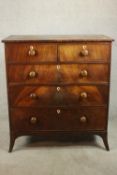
pixel 58 17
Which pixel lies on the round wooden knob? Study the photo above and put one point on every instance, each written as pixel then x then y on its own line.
pixel 83 95
pixel 84 73
pixel 32 74
pixel 31 51
pixel 33 120
pixel 83 119
pixel 84 51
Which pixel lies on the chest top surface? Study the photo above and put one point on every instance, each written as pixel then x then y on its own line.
pixel 56 38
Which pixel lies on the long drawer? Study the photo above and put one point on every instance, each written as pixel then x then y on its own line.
pixel 64 73
pixel 35 96
pixel 58 119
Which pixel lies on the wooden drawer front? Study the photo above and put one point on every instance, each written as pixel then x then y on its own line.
pixel 77 52
pixel 31 96
pixel 83 95
pixel 21 119
pixel 42 74
pixel 21 52
pixel 73 73
pixel 58 119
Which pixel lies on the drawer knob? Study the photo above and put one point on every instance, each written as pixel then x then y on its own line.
pixel 84 73
pixel 84 51
pixel 33 95
pixel 83 119
pixel 83 95
pixel 31 51
pixel 32 74
pixel 33 120
pixel 58 111
pixel 58 88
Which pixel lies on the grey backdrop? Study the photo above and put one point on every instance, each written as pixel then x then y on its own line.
pixel 58 17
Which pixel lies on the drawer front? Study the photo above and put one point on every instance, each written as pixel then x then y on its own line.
pixel 32 74
pixel 58 73
pixel 83 95
pixel 31 52
pixel 58 119
pixel 32 96
pixel 79 73
pixel 85 52
pixel 84 73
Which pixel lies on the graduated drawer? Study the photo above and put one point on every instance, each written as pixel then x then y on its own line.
pixel 64 73
pixel 35 96
pixel 31 52
pixel 58 119
pixel 84 52
pixel 32 74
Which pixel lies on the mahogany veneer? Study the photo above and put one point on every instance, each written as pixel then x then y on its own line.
pixel 58 85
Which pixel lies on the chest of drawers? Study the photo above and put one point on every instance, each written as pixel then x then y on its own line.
pixel 58 85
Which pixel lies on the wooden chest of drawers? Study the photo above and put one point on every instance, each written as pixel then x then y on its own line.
pixel 58 85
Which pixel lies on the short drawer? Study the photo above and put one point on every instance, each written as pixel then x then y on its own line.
pixel 84 52
pixel 32 96
pixel 31 52
pixel 58 119
pixel 42 74
pixel 84 73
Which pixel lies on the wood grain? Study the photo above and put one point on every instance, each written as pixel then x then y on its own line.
pixel 68 119
pixel 18 52
pixel 72 73
pixel 72 52
pixel 56 38
pixel 44 74
pixel 68 73
pixel 49 96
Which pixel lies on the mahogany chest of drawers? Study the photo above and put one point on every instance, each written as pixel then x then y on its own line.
pixel 58 85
